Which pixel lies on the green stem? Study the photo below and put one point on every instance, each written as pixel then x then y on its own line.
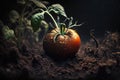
pixel 62 29
pixel 52 19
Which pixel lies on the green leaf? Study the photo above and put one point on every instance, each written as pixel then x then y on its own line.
pixel 58 9
pixel 44 25
pixel 8 33
pixel 13 16
pixel 36 20
pixel 39 4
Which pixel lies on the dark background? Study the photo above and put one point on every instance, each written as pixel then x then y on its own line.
pixel 101 15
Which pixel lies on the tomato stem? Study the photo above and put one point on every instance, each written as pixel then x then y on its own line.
pixel 56 25
pixel 62 29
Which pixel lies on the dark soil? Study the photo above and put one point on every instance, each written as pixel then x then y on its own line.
pixel 90 63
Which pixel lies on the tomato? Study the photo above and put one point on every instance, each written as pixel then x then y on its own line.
pixel 64 46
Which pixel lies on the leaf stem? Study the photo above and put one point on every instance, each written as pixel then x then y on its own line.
pixel 56 25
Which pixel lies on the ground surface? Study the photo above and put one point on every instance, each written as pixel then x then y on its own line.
pixel 90 63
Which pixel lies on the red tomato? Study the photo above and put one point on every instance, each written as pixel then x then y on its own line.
pixel 64 46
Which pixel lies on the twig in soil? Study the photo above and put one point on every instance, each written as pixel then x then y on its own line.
pixel 94 38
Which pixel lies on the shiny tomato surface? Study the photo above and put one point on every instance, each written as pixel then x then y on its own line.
pixel 63 46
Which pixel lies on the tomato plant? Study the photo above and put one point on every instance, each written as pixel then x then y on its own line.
pixel 61 42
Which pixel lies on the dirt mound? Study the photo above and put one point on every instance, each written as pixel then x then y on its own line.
pixel 31 63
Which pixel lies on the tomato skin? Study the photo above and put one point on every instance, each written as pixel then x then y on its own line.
pixel 65 46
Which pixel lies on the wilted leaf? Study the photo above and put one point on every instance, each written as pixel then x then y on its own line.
pixel 8 33
pixel 38 3
pixel 13 16
pixel 36 21
pixel 58 9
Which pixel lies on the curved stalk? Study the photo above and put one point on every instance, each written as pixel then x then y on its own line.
pixel 52 19
pixel 93 37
